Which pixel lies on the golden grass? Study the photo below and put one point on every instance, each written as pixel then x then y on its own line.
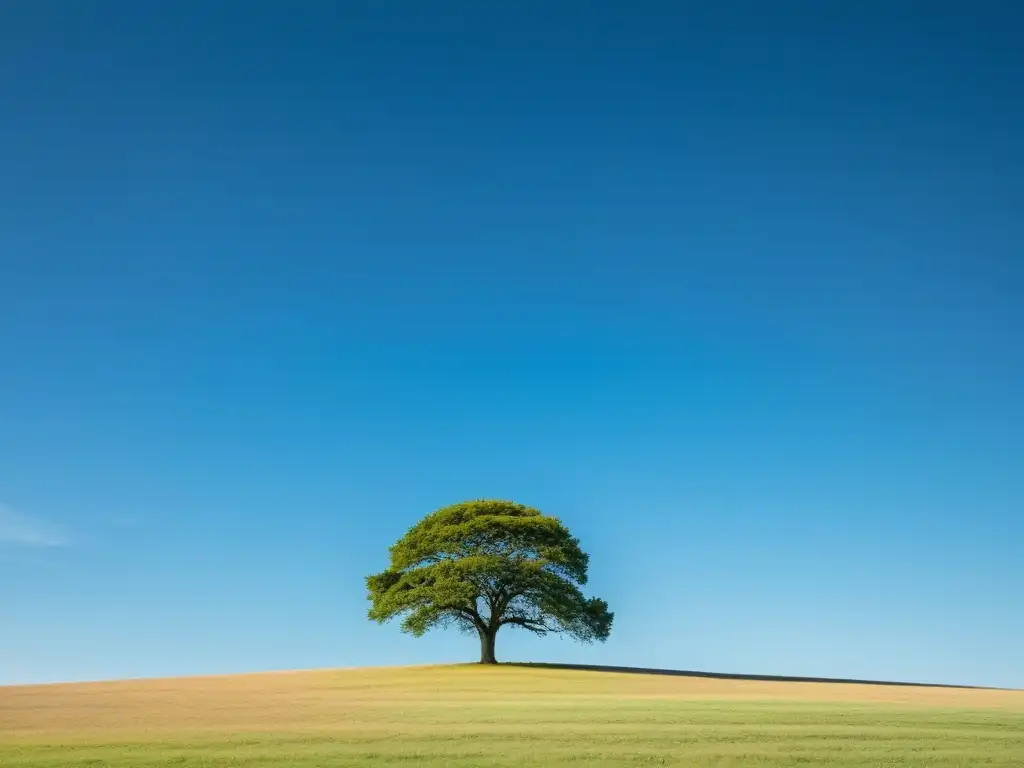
pixel 347 697
pixel 502 716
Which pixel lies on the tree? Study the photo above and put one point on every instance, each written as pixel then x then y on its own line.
pixel 482 565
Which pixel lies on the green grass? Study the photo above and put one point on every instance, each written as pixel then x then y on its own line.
pixel 507 717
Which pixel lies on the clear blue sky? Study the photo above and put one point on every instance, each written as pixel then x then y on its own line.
pixel 735 289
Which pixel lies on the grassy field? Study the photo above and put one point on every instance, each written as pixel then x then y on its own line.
pixel 505 716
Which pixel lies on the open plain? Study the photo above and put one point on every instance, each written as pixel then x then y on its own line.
pixel 503 716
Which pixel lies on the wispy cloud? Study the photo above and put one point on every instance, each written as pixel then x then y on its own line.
pixel 23 530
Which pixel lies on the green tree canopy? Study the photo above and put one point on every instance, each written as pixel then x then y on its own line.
pixel 482 565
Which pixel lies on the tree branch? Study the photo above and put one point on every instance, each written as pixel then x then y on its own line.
pixel 533 625
pixel 469 614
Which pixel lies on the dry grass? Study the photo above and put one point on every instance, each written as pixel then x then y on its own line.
pixel 502 716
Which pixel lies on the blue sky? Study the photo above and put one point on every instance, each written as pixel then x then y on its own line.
pixel 733 288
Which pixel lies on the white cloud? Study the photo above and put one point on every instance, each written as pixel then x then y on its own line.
pixel 21 529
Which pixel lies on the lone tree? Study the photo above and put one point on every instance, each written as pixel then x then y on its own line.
pixel 482 565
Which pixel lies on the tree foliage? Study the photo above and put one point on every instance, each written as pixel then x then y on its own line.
pixel 482 565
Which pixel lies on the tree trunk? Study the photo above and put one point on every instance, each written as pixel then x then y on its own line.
pixel 487 646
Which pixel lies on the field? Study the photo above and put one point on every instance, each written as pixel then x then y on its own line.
pixel 503 716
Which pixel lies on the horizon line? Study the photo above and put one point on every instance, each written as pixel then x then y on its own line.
pixel 599 668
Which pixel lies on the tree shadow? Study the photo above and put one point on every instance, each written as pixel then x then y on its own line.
pixel 730 676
